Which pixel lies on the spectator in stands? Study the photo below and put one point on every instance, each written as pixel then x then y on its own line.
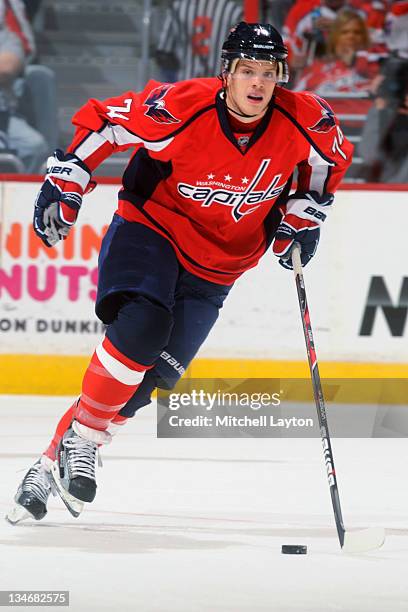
pixel 384 142
pixel 309 22
pixel 349 66
pixel 375 13
pixel 396 29
pixel 192 37
pixel 16 48
pixel 306 29
pixel 395 145
pixel 383 145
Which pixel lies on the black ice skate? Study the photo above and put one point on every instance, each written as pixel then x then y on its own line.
pixel 73 473
pixel 32 494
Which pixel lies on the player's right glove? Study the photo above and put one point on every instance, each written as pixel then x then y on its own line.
pixel 305 212
pixel 60 197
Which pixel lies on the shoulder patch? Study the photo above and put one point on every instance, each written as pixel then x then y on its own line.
pixel 156 104
pixel 327 121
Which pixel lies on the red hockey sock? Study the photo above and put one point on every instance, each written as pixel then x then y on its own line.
pixel 109 382
pixel 62 427
pixel 119 420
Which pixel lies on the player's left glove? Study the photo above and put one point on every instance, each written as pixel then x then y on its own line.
pixel 305 212
pixel 60 197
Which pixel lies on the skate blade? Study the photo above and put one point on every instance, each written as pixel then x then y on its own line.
pixel 75 506
pixel 18 514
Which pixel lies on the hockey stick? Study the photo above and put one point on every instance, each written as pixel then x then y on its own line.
pixel 350 541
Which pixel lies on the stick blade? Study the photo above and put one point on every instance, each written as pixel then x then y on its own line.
pixel 363 540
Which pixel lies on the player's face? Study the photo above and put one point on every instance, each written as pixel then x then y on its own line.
pixel 250 88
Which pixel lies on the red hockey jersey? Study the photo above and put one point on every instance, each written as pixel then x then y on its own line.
pixel 189 179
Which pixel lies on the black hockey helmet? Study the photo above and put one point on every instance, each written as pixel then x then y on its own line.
pixel 255 41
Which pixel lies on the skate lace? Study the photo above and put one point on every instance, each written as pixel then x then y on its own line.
pixel 37 482
pixel 81 457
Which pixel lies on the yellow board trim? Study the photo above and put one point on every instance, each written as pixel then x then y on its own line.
pixel 62 375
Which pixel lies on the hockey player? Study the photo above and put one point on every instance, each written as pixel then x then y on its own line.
pixel 203 197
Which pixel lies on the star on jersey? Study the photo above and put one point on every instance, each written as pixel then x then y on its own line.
pixel 227 177
pixel 244 180
pixel 157 111
pixel 327 121
pixel 210 176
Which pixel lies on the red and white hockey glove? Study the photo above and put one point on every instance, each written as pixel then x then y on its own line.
pixel 305 212
pixel 60 197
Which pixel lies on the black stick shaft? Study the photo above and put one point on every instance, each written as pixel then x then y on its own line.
pixel 318 392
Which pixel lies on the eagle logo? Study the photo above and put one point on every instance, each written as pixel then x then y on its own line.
pixel 157 110
pixel 327 121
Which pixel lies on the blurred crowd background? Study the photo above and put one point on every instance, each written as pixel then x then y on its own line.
pixel 55 54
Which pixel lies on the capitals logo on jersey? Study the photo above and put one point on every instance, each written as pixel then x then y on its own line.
pixel 157 110
pixel 327 121
pixel 242 203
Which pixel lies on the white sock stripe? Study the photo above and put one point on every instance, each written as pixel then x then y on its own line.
pixel 99 370
pixel 103 407
pixel 118 370
pixel 93 420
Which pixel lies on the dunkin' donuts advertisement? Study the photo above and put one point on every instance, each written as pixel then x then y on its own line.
pixel 357 286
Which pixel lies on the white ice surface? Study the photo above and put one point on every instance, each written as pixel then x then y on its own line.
pixel 197 524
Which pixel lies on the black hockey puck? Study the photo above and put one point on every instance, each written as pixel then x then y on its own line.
pixel 294 549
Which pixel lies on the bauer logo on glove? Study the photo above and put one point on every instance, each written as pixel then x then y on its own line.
pixel 305 212
pixel 59 200
pixel 59 170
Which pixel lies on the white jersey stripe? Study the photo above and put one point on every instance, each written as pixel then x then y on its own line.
pixel 115 134
pixel 121 136
pixel 93 142
pixel 319 173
